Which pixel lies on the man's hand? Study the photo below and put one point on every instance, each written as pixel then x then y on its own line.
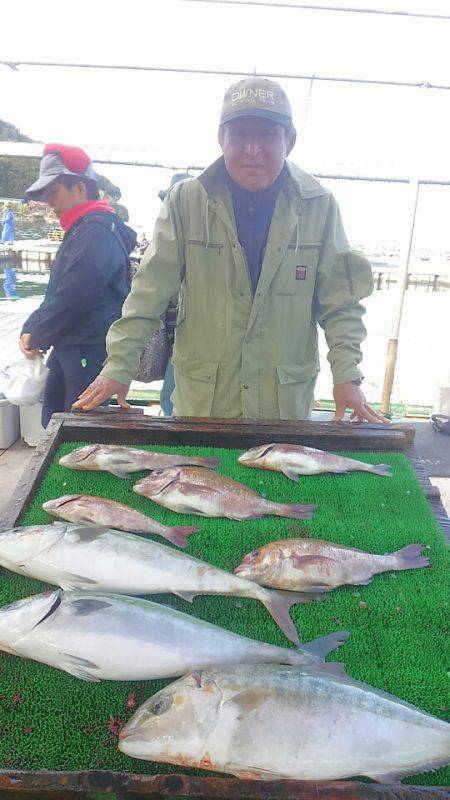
pixel 349 395
pixel 24 344
pixel 102 389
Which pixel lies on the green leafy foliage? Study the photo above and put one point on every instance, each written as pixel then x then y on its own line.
pixel 398 624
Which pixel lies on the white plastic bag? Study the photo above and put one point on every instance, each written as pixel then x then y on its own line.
pixel 23 382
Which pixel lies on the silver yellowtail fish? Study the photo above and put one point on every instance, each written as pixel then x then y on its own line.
pixel 266 721
pixel 122 460
pixel 91 510
pixel 80 557
pixel 192 490
pixel 314 565
pixel 294 460
pixel 108 636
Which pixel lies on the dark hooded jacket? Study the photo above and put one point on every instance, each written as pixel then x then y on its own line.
pixel 89 281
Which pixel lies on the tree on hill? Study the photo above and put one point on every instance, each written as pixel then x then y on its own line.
pixel 19 172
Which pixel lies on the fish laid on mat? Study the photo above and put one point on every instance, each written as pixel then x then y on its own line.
pixel 193 490
pixel 264 721
pixel 91 510
pixel 95 636
pixel 97 559
pixel 121 460
pixel 294 460
pixel 313 565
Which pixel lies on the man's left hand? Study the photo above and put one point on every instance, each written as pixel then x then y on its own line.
pixel 24 344
pixel 349 395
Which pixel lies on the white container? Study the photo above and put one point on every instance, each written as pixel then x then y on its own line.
pixel 31 429
pixel 9 424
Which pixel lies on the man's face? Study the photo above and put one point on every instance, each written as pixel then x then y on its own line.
pixel 62 199
pixel 254 150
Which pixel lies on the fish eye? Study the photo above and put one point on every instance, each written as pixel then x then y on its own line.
pixel 161 705
pixel 254 553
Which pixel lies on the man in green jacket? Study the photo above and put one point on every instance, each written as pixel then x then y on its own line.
pixel 256 251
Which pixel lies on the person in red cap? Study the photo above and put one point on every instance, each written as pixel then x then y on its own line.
pixel 89 281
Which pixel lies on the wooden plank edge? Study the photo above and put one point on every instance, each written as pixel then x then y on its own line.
pixel 131 427
pixel 129 785
pixel 434 498
pixel 31 478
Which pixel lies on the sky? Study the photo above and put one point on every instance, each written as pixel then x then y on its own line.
pixel 172 118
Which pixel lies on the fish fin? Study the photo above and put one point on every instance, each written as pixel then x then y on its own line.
pixel 88 533
pixel 261 451
pixel 82 606
pixel 416 769
pixel 79 667
pixel 296 510
pixel 335 668
pixel 119 474
pixel 188 596
pixel 86 521
pixel 192 491
pixel 118 461
pixel 303 561
pixel 252 773
pixel 179 534
pixel 325 644
pixel 299 597
pixel 382 469
pixel 364 583
pixel 69 581
pixel 249 699
pixel 410 557
pixel 290 473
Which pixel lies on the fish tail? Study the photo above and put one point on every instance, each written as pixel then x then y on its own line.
pixel 296 511
pixel 278 604
pixel 208 462
pixel 410 557
pixel 179 534
pixel 381 469
pixel 278 607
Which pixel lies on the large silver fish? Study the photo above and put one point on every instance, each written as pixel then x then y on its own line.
pixel 192 490
pixel 107 636
pixel 294 460
pixel 91 510
pixel 264 721
pixel 97 559
pixel 313 565
pixel 122 460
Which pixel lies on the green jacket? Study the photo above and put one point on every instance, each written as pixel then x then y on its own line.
pixel 235 354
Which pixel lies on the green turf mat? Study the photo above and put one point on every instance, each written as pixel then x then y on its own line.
pixel 50 720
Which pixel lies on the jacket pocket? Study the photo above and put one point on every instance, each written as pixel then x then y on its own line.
pixel 355 272
pixel 296 389
pixel 195 383
pixel 297 274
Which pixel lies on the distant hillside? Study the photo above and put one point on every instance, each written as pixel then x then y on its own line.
pixel 9 133
pixel 17 172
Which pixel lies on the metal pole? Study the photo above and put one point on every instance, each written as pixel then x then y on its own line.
pixel 392 347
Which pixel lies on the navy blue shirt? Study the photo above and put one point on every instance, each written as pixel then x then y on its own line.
pixel 253 213
pixel 89 281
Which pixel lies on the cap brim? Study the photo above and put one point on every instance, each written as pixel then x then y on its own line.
pixel 37 188
pixel 259 112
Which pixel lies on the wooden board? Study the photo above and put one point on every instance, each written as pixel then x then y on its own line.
pixel 118 427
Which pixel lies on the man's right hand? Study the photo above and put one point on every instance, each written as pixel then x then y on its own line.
pixel 100 390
